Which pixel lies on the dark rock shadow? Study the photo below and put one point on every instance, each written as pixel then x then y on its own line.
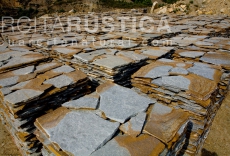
pixel 205 152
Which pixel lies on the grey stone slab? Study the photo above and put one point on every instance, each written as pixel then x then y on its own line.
pixel 3 46
pixel 20 48
pixel 181 64
pixel 65 50
pixel 132 55
pixel 22 95
pixel 60 81
pixel 165 60
pixel 9 81
pixel 157 81
pixel 126 145
pixel 112 148
pixel 63 69
pixel 157 52
pixel 191 54
pixel 24 71
pixel 5 56
pixel 45 66
pixel 201 65
pixel 158 72
pixel 82 132
pixel 19 85
pixel 87 102
pixel 179 71
pixel 117 104
pixel 20 60
pixel 201 43
pixel 125 44
pixel 161 109
pixel 111 62
pixel 5 91
pixel 176 82
pixel 154 52
pixel 202 71
pixel 89 57
pixel 212 58
pixel 134 125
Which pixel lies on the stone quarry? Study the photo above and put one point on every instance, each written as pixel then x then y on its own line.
pixel 119 93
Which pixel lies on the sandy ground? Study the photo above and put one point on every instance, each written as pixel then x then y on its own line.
pixel 7 146
pixel 217 143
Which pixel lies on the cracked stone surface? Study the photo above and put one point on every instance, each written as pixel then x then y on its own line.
pixel 22 96
pixel 60 81
pixel 135 125
pixel 79 132
pixel 124 108
pixel 158 72
pixel 87 102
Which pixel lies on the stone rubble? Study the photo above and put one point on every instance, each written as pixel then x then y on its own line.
pixel 113 93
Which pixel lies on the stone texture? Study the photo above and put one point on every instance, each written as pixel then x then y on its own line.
pixel 124 108
pixel 9 81
pixel 111 62
pixel 134 125
pixel 22 96
pixel 63 69
pixel 176 82
pixel 158 72
pixel 60 81
pixel 204 72
pixel 80 132
pixel 24 71
pixel 87 102
pixel 123 145
pixel 192 54
pixel 172 119
pixel 178 71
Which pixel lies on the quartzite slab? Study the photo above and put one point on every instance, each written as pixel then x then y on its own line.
pixel 77 132
pixel 120 103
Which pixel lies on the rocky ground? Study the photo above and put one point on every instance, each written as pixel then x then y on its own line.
pixel 196 7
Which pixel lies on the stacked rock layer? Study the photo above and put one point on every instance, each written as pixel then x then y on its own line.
pixel 99 125
pixel 179 75
pixel 32 90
